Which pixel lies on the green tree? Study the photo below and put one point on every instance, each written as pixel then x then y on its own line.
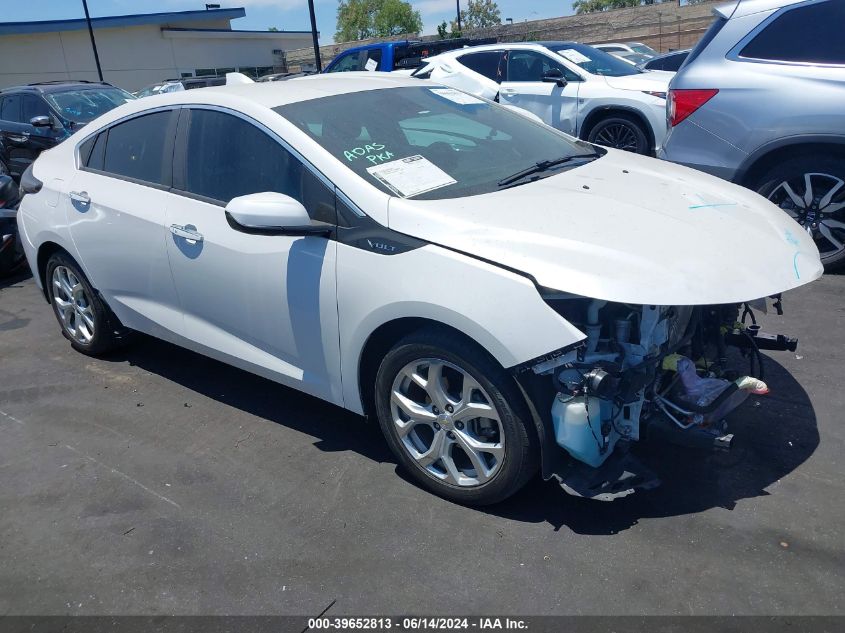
pixel 273 29
pixel 362 19
pixel 595 6
pixel 480 14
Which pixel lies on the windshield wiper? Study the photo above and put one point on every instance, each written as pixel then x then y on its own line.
pixel 541 166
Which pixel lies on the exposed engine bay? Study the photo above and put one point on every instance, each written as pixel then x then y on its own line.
pixel 648 372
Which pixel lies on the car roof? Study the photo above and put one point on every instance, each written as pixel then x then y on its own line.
pixel 739 8
pixel 272 94
pixel 57 86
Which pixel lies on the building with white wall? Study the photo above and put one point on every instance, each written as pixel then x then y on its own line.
pixel 137 50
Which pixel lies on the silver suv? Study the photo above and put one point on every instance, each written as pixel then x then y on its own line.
pixel 761 102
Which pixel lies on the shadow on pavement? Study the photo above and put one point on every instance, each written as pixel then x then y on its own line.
pixel 774 434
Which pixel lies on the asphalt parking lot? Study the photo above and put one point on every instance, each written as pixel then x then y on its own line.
pixel 156 481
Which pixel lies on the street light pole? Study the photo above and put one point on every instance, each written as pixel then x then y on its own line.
pixel 314 36
pixel 93 43
pixel 458 9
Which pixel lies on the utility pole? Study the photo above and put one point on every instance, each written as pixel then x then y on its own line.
pixel 315 37
pixel 458 9
pixel 93 42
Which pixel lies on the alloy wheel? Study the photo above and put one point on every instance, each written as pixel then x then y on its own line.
pixel 73 305
pixel 447 422
pixel 817 202
pixel 618 136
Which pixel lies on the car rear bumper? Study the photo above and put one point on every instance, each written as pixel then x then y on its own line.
pixel 691 145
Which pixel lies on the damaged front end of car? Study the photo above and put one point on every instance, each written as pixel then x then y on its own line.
pixel 643 373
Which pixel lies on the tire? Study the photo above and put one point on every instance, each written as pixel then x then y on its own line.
pixel 432 448
pixel 826 222
pixel 620 131
pixel 88 323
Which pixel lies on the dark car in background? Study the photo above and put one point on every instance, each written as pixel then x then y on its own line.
pixel 391 56
pixel 37 116
pixel 670 61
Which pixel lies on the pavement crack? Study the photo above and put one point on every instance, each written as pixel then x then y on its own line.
pixel 124 476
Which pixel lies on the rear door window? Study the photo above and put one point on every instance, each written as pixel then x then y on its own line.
pixel 137 149
pixel 487 63
pixel 10 108
pixel 811 33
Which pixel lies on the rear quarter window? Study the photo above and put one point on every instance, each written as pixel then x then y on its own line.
pixel 810 33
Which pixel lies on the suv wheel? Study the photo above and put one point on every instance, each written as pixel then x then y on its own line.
pixel 620 132
pixel 812 191
pixel 454 419
pixel 85 320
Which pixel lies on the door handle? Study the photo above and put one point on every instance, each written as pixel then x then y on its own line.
pixel 188 233
pixel 19 139
pixel 508 91
pixel 80 196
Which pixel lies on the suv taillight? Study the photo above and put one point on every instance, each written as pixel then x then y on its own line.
pixel 682 103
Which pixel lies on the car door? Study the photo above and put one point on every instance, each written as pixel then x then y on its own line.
pixel 115 205
pixel 263 302
pixel 523 87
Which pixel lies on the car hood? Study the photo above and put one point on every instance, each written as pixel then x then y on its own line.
pixel 653 80
pixel 629 229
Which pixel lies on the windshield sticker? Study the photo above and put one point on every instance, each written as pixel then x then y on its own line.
pixel 373 152
pixel 371 65
pixel 456 96
pixel 411 176
pixel 574 56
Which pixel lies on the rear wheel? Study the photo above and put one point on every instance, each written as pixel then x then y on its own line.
pixel 620 132
pixel 85 320
pixel 812 191
pixel 454 419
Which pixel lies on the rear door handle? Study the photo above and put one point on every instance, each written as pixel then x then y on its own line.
pixel 80 196
pixel 189 234
pixel 508 91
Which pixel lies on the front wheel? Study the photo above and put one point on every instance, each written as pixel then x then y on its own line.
pixel 454 419
pixel 620 132
pixel 812 191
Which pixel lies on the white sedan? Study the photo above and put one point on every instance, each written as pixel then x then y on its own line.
pixel 575 88
pixel 501 297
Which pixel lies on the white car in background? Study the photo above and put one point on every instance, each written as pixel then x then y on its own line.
pixel 629 47
pixel 573 87
pixel 501 297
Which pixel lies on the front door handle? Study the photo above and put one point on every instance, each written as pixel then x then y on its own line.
pixel 80 196
pixel 508 92
pixel 187 232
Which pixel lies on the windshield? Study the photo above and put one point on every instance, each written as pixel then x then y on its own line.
pixel 644 50
pixel 597 62
pixel 429 142
pixel 86 104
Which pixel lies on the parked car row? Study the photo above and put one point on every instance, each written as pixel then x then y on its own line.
pixel 573 87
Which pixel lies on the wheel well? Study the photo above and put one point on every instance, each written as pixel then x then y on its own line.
pixel 44 253
pixel 379 343
pixel 752 174
pixel 603 113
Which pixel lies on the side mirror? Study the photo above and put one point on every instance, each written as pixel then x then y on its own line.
pixel 554 76
pixel 41 121
pixel 271 213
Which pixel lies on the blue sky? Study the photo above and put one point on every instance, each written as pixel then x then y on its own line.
pixel 261 14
